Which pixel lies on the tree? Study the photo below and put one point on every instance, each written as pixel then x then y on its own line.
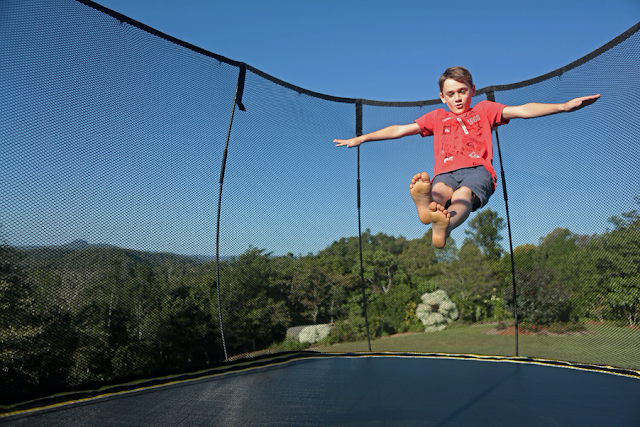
pixel 617 259
pixel 419 259
pixel 382 269
pixel 254 313
pixel 19 327
pixel 471 281
pixel 485 230
pixel 187 333
pixel 35 348
pixel 624 297
pixel 539 301
pixel 312 289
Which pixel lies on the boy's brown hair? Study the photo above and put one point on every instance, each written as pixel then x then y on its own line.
pixel 459 74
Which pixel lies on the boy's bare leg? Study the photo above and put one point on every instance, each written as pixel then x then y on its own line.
pixel 459 210
pixel 421 193
pixel 440 224
pixel 456 214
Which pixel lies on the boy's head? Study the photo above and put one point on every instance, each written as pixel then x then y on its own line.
pixel 457 89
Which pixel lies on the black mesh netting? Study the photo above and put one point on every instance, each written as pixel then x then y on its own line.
pixel 113 138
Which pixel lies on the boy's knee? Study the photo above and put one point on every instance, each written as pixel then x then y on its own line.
pixel 463 193
pixel 441 193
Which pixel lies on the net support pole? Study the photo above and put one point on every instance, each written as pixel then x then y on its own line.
pixel 237 101
pixel 364 293
pixel 491 97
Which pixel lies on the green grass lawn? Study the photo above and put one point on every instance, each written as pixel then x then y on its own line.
pixel 602 345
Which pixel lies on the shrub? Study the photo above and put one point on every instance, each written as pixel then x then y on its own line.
pixel 350 330
pixel 289 344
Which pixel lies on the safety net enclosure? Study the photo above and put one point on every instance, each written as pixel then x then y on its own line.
pixel 166 210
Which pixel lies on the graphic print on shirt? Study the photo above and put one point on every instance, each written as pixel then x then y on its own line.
pixel 467 141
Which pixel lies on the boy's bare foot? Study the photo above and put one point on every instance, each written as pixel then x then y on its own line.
pixel 439 224
pixel 421 193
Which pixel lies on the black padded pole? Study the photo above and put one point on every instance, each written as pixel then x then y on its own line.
pixel 364 294
pixel 491 97
pixel 237 101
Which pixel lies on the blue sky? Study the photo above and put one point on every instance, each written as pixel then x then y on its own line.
pixel 379 50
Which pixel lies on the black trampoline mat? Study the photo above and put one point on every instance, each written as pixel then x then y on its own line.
pixel 369 390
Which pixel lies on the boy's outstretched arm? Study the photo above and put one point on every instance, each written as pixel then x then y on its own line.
pixel 390 132
pixel 534 109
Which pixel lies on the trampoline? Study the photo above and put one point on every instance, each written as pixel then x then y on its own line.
pixel 367 389
pixel 115 132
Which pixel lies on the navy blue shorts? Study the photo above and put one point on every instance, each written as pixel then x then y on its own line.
pixel 477 179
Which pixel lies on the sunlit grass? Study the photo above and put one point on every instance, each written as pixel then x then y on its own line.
pixel 600 345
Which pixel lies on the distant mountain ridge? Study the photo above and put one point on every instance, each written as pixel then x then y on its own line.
pixel 41 252
pixel 75 245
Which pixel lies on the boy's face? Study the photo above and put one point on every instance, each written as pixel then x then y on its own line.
pixel 457 95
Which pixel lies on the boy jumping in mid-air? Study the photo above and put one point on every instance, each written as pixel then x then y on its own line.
pixel 464 178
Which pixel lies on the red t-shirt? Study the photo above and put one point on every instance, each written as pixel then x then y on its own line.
pixel 463 141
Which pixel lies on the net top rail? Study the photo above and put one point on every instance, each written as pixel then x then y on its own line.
pixel 494 88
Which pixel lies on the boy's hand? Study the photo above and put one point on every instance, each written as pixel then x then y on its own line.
pixel 351 142
pixel 578 103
